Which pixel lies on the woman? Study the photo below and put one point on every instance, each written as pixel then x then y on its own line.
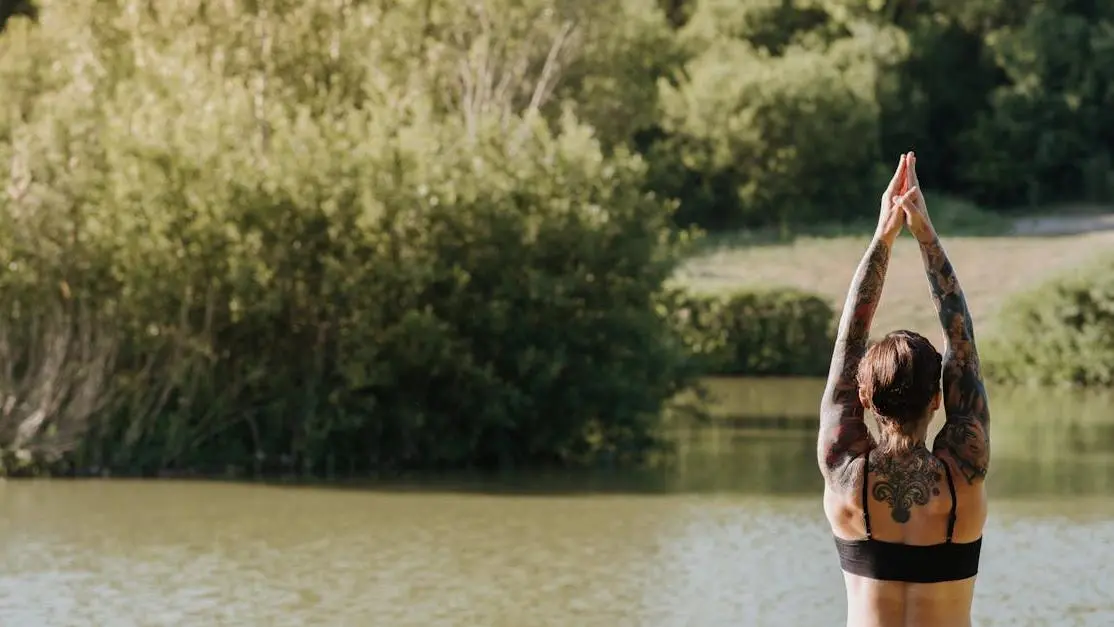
pixel 908 521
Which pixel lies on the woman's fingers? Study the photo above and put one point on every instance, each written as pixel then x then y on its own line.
pixel 900 176
pixel 907 201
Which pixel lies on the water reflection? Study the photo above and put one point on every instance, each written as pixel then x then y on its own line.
pixel 1043 442
pixel 762 440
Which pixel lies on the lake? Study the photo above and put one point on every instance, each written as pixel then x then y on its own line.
pixel 732 534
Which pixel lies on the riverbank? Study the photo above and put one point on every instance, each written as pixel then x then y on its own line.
pixel 991 268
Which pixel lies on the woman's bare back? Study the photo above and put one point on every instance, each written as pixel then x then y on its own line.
pixel 910 504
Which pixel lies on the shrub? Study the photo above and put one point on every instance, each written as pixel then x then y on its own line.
pixel 613 84
pixel 754 140
pixel 1061 333
pixel 768 332
pixel 316 261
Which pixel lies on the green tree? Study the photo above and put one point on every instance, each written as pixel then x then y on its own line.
pixel 775 120
pixel 1045 136
pixel 301 237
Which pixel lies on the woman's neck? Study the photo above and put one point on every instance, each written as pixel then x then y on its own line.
pixel 897 442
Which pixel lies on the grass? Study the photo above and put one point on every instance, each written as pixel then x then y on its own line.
pixel 992 261
pixel 948 214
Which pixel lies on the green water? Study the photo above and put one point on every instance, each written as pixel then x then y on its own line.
pixel 732 535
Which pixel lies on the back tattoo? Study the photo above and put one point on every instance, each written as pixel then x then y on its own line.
pixel 904 483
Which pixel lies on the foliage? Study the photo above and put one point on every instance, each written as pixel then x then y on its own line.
pixel 613 83
pixel 758 332
pixel 369 234
pixel 766 113
pixel 1048 122
pixel 1006 103
pixel 16 8
pixel 292 237
pixel 774 106
pixel 746 132
pixel 1061 333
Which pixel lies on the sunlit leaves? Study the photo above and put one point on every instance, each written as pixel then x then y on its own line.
pixel 316 242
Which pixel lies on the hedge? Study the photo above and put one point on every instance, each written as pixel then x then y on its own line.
pixel 760 332
pixel 1059 333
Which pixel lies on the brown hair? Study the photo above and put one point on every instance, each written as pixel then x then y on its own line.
pixel 900 375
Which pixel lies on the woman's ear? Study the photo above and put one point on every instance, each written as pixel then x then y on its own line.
pixel 937 400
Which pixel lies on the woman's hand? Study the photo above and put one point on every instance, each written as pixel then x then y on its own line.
pixel 892 217
pixel 913 205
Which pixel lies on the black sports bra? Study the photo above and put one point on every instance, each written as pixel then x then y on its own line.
pixel 892 561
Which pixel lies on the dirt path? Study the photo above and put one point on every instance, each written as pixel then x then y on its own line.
pixel 1064 225
pixel 991 268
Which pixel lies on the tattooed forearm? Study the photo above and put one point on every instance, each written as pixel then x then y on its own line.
pixel 966 433
pixel 843 434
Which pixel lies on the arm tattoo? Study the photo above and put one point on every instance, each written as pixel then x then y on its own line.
pixel 843 434
pixel 966 433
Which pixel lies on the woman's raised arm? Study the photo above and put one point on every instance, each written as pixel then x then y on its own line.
pixel 965 436
pixel 843 434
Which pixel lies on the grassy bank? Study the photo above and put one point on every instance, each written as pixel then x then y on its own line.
pixel 990 266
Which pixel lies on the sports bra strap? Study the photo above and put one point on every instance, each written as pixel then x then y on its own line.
pixel 866 509
pixel 951 489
